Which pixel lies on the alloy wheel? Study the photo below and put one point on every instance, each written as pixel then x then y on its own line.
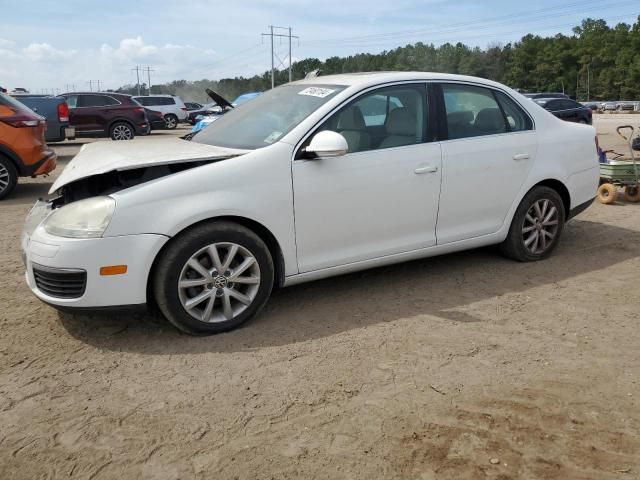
pixel 4 178
pixel 171 122
pixel 540 226
pixel 122 132
pixel 219 282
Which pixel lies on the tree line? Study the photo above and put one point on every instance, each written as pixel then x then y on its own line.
pixel 596 62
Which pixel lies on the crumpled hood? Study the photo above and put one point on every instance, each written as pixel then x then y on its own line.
pixel 106 156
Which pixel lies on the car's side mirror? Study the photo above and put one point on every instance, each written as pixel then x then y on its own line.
pixel 327 144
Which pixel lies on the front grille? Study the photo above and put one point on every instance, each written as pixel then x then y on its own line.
pixel 60 282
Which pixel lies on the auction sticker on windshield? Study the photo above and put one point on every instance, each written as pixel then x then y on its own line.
pixel 316 92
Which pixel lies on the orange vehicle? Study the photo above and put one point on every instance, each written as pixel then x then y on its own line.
pixel 23 150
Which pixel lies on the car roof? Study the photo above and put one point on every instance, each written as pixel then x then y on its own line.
pixel 155 95
pixel 97 93
pixel 364 79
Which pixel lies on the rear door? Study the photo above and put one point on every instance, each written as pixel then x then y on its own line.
pixel 489 150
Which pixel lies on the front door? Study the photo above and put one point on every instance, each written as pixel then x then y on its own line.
pixel 379 199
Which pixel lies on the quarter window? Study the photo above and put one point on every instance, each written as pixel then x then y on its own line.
pixel 385 118
pixel 472 111
pixel 517 119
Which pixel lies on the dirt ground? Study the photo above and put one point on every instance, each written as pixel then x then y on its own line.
pixel 466 366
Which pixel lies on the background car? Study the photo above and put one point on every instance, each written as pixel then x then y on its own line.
pixel 170 106
pixel 609 106
pixel 55 110
pixel 106 114
pixel 192 106
pixel 567 109
pixel 23 150
pixel 625 106
pixel 156 119
pixel 545 95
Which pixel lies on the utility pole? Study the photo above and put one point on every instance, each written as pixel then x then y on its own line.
pixel 271 34
pixel 137 69
pixel 588 81
pixel 149 70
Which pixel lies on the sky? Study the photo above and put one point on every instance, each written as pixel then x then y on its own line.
pixel 64 44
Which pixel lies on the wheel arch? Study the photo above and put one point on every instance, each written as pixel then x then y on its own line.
pixel 120 120
pixel 14 159
pixel 561 189
pixel 263 232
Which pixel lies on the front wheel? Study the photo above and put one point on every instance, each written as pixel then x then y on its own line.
pixel 171 121
pixel 213 278
pixel 122 131
pixel 536 226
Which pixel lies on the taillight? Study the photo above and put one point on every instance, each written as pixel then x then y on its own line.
pixel 63 112
pixel 22 119
pixel 184 108
pixel 138 109
pixel 590 111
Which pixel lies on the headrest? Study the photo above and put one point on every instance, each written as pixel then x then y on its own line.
pixel 490 120
pixel 401 121
pixel 460 118
pixel 351 119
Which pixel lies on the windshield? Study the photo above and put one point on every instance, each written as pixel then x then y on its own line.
pixel 268 117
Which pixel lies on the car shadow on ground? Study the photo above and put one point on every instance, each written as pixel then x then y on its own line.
pixel 443 287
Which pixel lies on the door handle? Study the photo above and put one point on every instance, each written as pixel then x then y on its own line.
pixel 428 169
pixel 521 156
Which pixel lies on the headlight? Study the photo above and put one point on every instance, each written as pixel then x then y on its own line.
pixel 82 219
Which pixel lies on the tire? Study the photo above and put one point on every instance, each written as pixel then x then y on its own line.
pixel 536 226
pixel 632 194
pixel 121 131
pixel 607 193
pixel 224 300
pixel 8 177
pixel 171 121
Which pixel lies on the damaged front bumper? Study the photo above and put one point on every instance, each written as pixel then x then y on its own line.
pixel 66 272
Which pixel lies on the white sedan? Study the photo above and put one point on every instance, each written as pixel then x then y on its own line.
pixel 312 179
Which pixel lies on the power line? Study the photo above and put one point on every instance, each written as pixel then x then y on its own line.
pixel 148 70
pixel 272 35
pixel 525 16
pixel 91 82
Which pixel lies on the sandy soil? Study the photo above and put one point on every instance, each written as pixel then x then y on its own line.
pixel 466 366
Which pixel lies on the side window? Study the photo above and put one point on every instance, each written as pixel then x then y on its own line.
pixel 91 101
pixel 472 111
pixel 517 119
pixel 144 101
pixel 169 101
pixel 110 101
pixel 72 101
pixel 385 118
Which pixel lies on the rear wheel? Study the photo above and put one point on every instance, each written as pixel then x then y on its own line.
pixel 213 278
pixel 536 226
pixel 607 193
pixel 8 177
pixel 122 131
pixel 171 120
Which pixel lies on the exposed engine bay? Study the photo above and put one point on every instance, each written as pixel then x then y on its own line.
pixel 117 180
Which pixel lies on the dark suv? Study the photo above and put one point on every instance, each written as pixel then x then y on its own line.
pixel 567 109
pixel 105 114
